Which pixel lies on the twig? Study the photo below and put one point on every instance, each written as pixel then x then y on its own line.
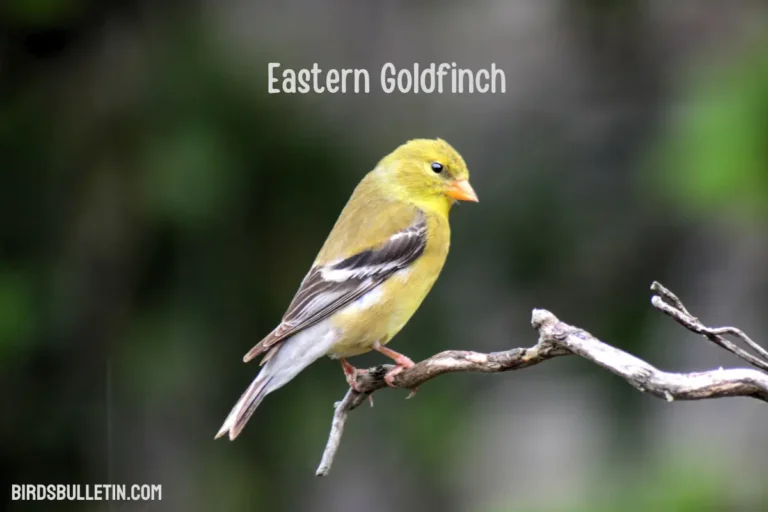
pixel 557 338
pixel 668 303
pixel 350 401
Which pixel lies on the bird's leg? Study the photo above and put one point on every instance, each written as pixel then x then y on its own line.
pixel 401 363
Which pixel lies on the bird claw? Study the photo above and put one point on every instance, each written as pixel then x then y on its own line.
pixel 351 373
pixel 389 378
pixel 402 363
pixel 352 381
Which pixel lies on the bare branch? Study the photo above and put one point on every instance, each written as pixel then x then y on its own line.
pixel 557 338
pixel 645 377
pixel 668 303
pixel 372 379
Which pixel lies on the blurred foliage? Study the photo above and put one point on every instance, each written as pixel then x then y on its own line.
pixel 718 159
pixel 40 12
pixel 157 212
pixel 686 486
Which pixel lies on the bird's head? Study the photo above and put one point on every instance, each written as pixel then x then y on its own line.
pixel 428 172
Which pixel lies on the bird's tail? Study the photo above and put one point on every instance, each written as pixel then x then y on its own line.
pixel 283 364
pixel 243 409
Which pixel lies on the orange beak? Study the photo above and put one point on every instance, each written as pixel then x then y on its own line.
pixel 461 190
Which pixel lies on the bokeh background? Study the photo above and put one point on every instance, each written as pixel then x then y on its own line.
pixel 158 209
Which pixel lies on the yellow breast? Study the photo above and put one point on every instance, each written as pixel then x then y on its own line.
pixel 382 312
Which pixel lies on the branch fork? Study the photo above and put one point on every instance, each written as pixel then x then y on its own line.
pixel 557 339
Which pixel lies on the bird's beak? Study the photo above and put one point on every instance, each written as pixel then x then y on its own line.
pixel 461 190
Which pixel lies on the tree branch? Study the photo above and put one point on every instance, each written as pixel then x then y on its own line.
pixel 667 302
pixel 557 338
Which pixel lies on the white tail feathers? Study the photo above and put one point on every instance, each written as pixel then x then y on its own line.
pixel 290 358
pixel 243 409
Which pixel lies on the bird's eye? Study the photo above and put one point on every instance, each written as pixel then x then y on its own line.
pixel 437 167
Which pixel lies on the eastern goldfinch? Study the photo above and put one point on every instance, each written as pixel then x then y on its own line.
pixel 374 270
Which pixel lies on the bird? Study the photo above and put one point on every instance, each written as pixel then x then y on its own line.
pixel 380 260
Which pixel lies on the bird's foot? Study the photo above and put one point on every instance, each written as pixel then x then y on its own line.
pixel 389 378
pixel 400 365
pixel 402 362
pixel 351 373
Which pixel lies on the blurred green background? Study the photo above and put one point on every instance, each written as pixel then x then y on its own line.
pixel 159 209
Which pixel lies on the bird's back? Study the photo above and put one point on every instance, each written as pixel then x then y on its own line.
pixel 368 219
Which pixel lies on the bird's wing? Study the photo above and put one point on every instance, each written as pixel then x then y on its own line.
pixel 328 288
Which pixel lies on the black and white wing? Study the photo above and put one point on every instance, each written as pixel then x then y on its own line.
pixel 328 288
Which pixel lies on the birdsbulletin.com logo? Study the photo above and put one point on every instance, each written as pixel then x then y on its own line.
pixel 86 492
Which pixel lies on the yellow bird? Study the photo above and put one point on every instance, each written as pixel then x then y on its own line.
pixel 374 270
